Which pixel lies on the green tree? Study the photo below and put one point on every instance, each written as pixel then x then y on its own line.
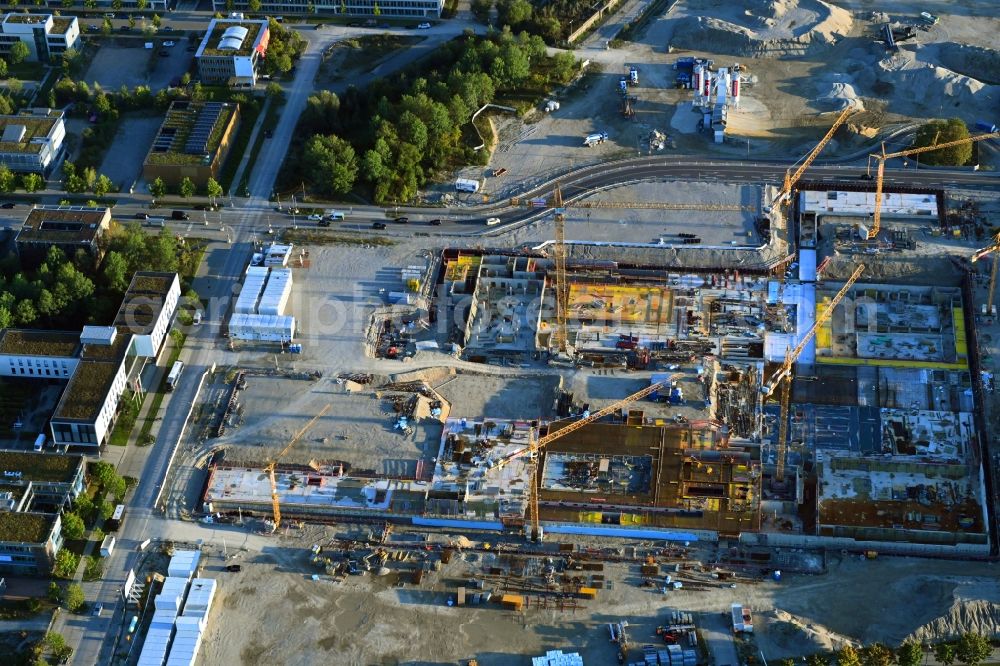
pixel 141 5
pixel 275 90
pixel 66 563
pixel 943 131
pixel 65 3
pixel 909 654
pixel 972 649
pixel 18 52
pixel 107 27
pixel 25 313
pixel 848 656
pixel 253 5
pixel 131 19
pixel 876 654
pixel 102 185
pixel 55 593
pixel 331 163
pixel 376 11
pixel 3 69
pixel 83 506
pixel 7 179
pixel 186 79
pixel 32 182
pixel 213 189
pixel 72 526
pixel 513 12
pixel 945 653
pixel 90 4
pixel 158 188
pixel 104 472
pixel 74 593
pixel 56 644
pixel 187 187
pixel 817 659
pixel 481 10
pixel 116 5
pixel 157 21
pixel 115 271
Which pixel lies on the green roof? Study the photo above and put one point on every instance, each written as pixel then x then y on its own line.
pixel 61 24
pixel 25 527
pixel 35 127
pixel 170 144
pixel 39 343
pixel 88 387
pixel 15 490
pixel 41 467
pixel 246 46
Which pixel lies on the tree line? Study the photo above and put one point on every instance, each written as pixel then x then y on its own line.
pixel 969 649
pixel 553 21
pixel 391 137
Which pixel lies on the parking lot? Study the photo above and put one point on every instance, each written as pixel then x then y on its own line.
pixel 123 162
pixel 127 62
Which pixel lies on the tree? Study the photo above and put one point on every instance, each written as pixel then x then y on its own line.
pixel 115 271
pixel 213 189
pixel 32 182
pixel 104 472
pixel 817 659
pixel 66 563
pixel 909 654
pixel 141 4
pixel 876 654
pixel 74 594
pixel 7 179
pixel 186 79
pixel 72 526
pixel 102 185
pixel 116 5
pixel 25 313
pixel 945 653
pixel 55 593
pixel 3 69
pixel 131 18
pixel 106 27
pixel 481 10
pixel 158 188
pixel 331 163
pixel 514 12
pixel 943 131
pixel 848 656
pixel 253 5
pixel 972 649
pixel 275 90
pixel 18 52
pixel 157 21
pixel 187 187
pixel 56 644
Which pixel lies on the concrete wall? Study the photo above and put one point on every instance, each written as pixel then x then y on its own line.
pixel 596 17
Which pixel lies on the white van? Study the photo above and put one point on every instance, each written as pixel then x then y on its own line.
pixel 492 221
pixel 157 222
pixel 335 215
pixel 40 442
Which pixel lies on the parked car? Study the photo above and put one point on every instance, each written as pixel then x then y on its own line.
pixel 97 609
pixel 378 225
pixel 142 216
pixel 435 222
pixel 402 220
pixel 424 26
pixel 93 28
pixel 492 221
pixel 125 28
pixel 7 205
pixel 180 215
pixel 322 222
pixel 235 568
pixel 168 43
pixel 315 217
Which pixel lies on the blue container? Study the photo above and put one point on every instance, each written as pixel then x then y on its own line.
pixel 776 575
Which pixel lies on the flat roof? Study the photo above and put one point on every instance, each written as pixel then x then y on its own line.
pixel 26 18
pixel 35 126
pixel 143 301
pixel 61 24
pixel 63 224
pixel 39 343
pixel 894 204
pixel 218 43
pixel 87 390
pixel 40 467
pixel 25 527
pixel 191 133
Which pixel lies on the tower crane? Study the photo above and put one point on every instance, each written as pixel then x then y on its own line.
pixel 275 501
pixel 792 178
pixel 536 445
pixel 993 249
pixel 783 376
pixel 562 286
pixel 880 172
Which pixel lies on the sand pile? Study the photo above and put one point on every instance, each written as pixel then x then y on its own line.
pixel 972 61
pixel 759 28
pixel 784 631
pixel 835 91
pixel 975 607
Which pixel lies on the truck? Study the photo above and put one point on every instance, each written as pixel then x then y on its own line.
pixel 742 621
pixel 40 442
pixel 175 376
pixel 107 546
pixel 467 185
pixel 114 523
pixel 928 18
pixel 633 76
pixel 595 139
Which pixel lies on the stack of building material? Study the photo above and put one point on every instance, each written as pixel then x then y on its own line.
pixel 558 658
pixel 200 597
pixel 154 647
pixel 171 597
pixel 276 292
pixel 253 285
pixel 187 641
pixel 277 255
pixel 184 564
pixel 263 328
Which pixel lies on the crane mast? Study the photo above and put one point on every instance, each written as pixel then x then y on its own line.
pixel 275 500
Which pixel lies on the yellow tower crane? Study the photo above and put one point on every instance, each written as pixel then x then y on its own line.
pixel 275 501
pixel 783 375
pixel 880 172
pixel 993 249
pixel 536 445
pixel 792 178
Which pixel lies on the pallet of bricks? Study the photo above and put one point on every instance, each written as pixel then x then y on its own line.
pixel 558 658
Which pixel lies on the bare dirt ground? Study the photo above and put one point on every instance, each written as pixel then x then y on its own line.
pixel 371 620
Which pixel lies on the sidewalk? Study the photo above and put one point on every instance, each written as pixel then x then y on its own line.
pixel 238 177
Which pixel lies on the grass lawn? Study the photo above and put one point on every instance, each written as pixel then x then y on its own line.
pixel 360 55
pixel 317 237
pixel 248 118
pixel 270 122
pixel 154 406
pixel 126 420
pixel 29 71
